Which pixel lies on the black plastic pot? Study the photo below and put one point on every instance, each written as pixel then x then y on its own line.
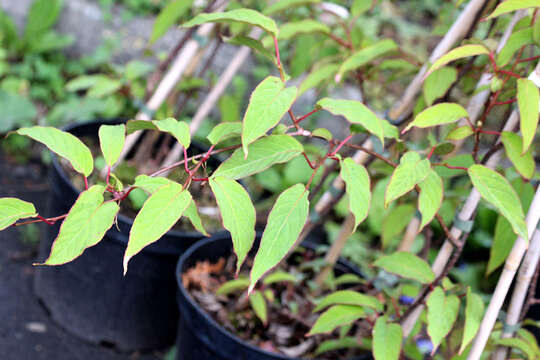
pixel 199 335
pixel 91 298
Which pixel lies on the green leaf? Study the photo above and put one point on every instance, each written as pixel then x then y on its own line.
pixel 283 5
pixel 322 133
pixel 496 190
pixel 252 43
pixel 192 214
pixel 348 279
pixel 519 344
pixel 358 188
pixel 246 16
pixel 410 171
pixel 104 86
pixel 17 111
pixel 444 148
pixel 336 316
pixel 387 339
pixel 317 76
pixel 359 7
pixel 440 114
pixel 178 129
pixel 458 53
pixel 307 26
pixel 136 69
pixel 111 141
pixel 49 41
pixel 356 113
pixel 442 313
pixel 168 16
pixel 285 221
pixel 474 311
pixel 83 82
pixel 258 304
pixel 42 16
pixel 232 286
pixel 512 5
pixel 224 131
pixel 64 144
pixel 84 226
pixel 438 83
pixel 263 153
pixel 524 164
pixel 238 214
pixel 366 55
pixel 136 125
pixel 268 103
pixel 430 198
pixel 406 265
pixel 12 209
pixel 157 216
pixel 460 133
pixel 528 97
pixel 348 342
pixel 279 276
pixel 150 184
pixel 536 32
pixel 395 221
pixel 349 297
pixel 514 43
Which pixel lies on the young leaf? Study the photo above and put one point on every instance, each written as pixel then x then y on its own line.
pixel 430 198
pixel 258 304
pixel 356 113
pixel 349 297
pixel 512 5
pixel 438 83
pixel 12 209
pixel 268 103
pixel 283 5
pixel 150 184
pixel 168 16
pixel 263 153
pixel 64 144
pixel 252 43
pixel 347 342
pixel 336 316
pixel 232 286
pixel 317 76
pixel 84 226
pixel 387 339
pixel 406 265
pixel 111 141
pixel 307 26
pixel 525 163
pixel 322 133
pixel 157 216
pixel 460 133
pixel 366 55
pixel 528 97
pixel 224 131
pixel 458 53
pixel 474 311
pixel 238 214
pixel 496 190
pixel 279 276
pixel 178 129
pixel 357 185
pixel 440 114
pixel 286 220
pixel 513 44
pixel 442 313
pixel 410 171
pixel 246 16
pixel 193 215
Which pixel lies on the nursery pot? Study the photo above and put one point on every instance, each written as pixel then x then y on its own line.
pixel 90 297
pixel 199 335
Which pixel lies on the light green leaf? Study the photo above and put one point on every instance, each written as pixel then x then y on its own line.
pixel 252 43
pixel 232 286
pixel 192 214
pixel 474 311
pixel 224 131
pixel 42 15
pixel 387 339
pixel 83 82
pixel 178 129
pixel 358 188
pixel 246 16
pixel 136 125
pixel 136 69
pixel 286 220
pixel 528 97
pixel 84 226
pixel 104 86
pixel 519 344
pixel 525 163
pixel 111 141
pixel 238 214
pixel 347 342
pixel 150 184
pixel 168 16
pixel 536 32
pixel 268 103
pixel 406 265
pixel 322 133
pixel 440 114
pixel 283 5
pixel 13 209
pixel 512 5
pixel 395 221
pixel 390 131
pixel 410 171
pixel 496 190
pixel 157 216
pixel 359 7
pixel 438 83
pixel 458 53
pixel 336 316
pixel 307 26
pixel 279 276
pixel 514 43
pixel 258 304
pixel 442 313
pixel 460 133
pixel 348 279
pixel 356 113
pixel 17 111
pixel 64 144
pixel 317 76
pixel 366 55
pixel 349 297
pixel 430 198
pixel 263 153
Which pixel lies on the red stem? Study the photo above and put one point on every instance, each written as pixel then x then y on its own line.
pixel 340 145
pixel 451 167
pixel 490 132
pixel 529 59
pixel 431 152
pixel 509 73
pixel 305 116
pixel 504 102
pixel 309 162
pixel 45 220
pixel 199 179
pixel 85 183
pixel 185 161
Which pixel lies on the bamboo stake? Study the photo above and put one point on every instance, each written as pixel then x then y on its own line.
pixel 410 235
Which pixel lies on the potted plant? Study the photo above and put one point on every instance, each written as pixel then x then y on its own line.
pixel 404 305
